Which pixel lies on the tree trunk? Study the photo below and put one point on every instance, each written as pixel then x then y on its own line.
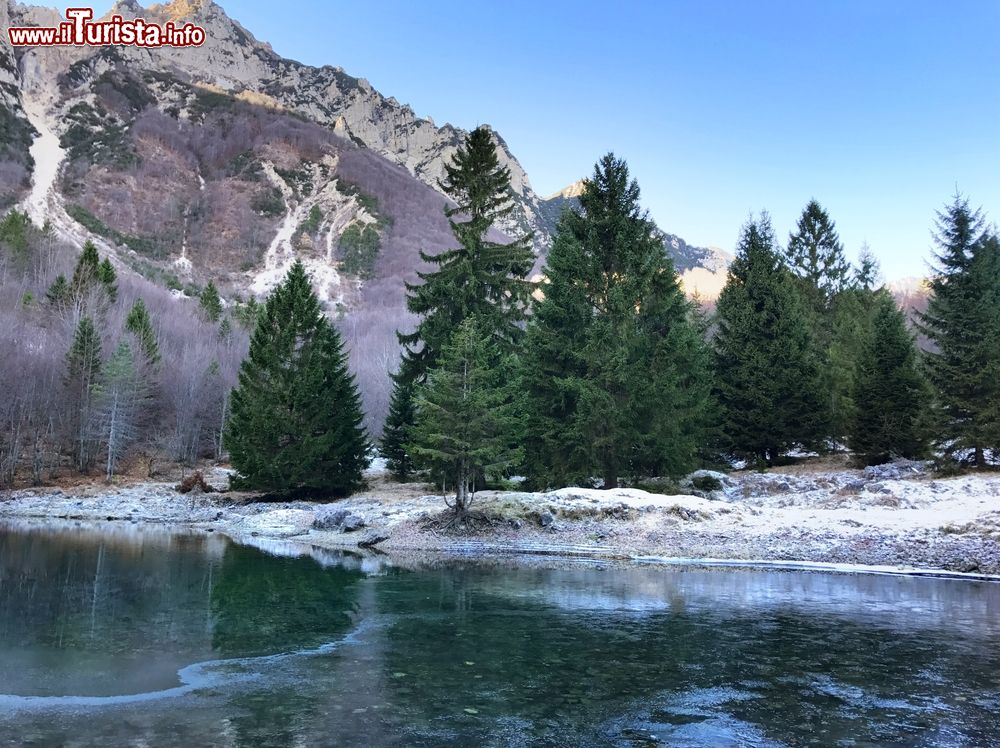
pixel 980 457
pixel 610 480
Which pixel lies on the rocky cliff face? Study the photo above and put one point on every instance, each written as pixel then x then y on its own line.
pixel 17 132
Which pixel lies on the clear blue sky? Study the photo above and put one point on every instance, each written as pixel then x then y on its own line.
pixel 878 108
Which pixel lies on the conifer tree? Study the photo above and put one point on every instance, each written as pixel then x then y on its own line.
pixel 140 325
pixel 210 302
pixel 480 277
pixel 961 313
pixel 767 366
pixel 615 377
pixel 83 368
pixel 890 395
pixel 87 273
pixel 867 274
pixel 295 423
pixel 395 435
pixel 815 254
pixel 464 413
pixel 109 278
pixel 58 293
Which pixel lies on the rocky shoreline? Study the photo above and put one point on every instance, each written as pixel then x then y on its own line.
pixel 893 518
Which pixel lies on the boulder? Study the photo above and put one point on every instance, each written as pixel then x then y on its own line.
pixel 351 523
pixel 329 518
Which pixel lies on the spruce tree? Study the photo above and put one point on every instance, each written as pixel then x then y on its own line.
pixel 87 273
pixel 395 435
pixel 140 325
pixel 815 254
pixel 295 423
pixel 767 365
pixel 83 368
pixel 210 302
pixel 109 278
pixel 464 413
pixel 480 277
pixel 961 314
pixel 615 374
pixel 890 395
pixel 58 293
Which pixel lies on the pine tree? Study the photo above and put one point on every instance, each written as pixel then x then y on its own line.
pixel 815 254
pixel 868 273
pixel 961 313
pixel 480 277
pixel 395 435
pixel 767 366
pixel 616 378
pixel 464 413
pixel 88 270
pixel 889 392
pixel 140 325
pixel 58 293
pixel 83 368
pixel 295 421
pixel 225 329
pixel 109 278
pixel 210 302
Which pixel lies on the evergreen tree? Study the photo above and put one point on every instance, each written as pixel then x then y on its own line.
pixel 766 363
pixel 83 368
pixel 464 413
pixel 815 254
pixel 961 313
pixel 850 325
pixel 210 302
pixel 480 277
pixel 88 270
pixel 868 273
pixel 395 435
pixel 225 329
pixel 889 392
pixel 140 325
pixel 58 293
pixel 109 278
pixel 295 421
pixel 616 378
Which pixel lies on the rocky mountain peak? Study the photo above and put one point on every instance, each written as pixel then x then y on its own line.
pixel 570 191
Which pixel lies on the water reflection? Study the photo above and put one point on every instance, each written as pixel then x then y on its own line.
pixel 321 649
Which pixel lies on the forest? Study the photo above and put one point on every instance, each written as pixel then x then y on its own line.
pixel 603 374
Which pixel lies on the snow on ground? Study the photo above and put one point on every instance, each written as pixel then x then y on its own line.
pixel 888 519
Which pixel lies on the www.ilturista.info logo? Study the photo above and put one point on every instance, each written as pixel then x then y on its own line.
pixel 81 31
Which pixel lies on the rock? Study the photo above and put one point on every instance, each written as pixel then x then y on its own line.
pixel 372 539
pixel 877 488
pixel 329 518
pixel 855 485
pixel 965 565
pixel 351 523
pixel 545 519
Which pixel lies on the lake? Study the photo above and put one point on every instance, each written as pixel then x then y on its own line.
pixel 127 635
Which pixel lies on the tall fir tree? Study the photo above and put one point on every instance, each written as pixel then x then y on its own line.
pixel 109 278
pixel 88 270
pixel 767 366
pixel 890 394
pixel 295 423
pixel 210 302
pixel 961 313
pixel 119 397
pixel 815 254
pixel 480 277
pixel 139 323
pixel 464 425
pixel 83 370
pixel 615 374
pixel 396 433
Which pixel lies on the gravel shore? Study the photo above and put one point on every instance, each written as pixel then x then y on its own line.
pixel 892 517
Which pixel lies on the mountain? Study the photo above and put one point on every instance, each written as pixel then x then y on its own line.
pixel 226 161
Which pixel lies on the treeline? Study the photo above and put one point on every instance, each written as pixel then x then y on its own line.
pixel 98 368
pixel 610 373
